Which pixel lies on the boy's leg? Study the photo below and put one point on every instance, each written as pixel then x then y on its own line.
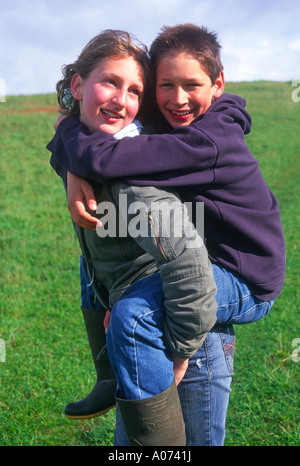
pixel 135 341
pixel 147 395
pixel 236 304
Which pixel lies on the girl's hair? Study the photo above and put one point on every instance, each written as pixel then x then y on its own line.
pixel 109 43
pixel 192 40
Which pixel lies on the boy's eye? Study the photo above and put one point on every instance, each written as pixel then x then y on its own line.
pixel 192 85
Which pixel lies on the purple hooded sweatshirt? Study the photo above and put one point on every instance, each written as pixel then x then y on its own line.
pixel 208 162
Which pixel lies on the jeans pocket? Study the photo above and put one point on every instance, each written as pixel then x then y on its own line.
pixel 228 342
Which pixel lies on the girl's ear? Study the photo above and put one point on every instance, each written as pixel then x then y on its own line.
pixel 219 85
pixel 76 86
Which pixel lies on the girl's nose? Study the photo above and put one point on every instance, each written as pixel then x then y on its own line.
pixel 120 97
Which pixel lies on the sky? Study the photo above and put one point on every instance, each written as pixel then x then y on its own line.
pixel 260 38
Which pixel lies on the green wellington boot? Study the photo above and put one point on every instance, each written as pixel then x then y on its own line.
pixel 102 397
pixel 154 421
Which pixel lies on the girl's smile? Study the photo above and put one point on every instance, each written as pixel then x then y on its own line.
pixel 111 95
pixel 109 115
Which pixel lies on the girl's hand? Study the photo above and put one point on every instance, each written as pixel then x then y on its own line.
pixel 79 190
pixel 106 320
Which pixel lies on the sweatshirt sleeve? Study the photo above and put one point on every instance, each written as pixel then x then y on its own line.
pixel 169 159
pixel 181 257
pixel 100 157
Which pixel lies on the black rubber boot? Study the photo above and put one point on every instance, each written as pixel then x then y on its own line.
pixel 102 397
pixel 154 421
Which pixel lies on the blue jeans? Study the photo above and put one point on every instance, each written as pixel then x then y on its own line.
pixel 204 391
pixel 143 366
pixel 236 304
pixel 135 341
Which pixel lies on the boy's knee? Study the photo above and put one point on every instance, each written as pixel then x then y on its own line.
pixel 123 317
pixel 133 317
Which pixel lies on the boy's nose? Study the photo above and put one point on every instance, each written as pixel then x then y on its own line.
pixel 180 96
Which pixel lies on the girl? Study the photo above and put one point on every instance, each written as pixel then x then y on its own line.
pixel 158 284
pixel 88 90
pixel 207 157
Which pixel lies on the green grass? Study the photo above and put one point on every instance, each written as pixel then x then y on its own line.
pixel 47 360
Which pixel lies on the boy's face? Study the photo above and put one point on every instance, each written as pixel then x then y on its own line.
pixel 183 89
pixel 110 96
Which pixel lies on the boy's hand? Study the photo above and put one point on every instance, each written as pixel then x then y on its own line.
pixel 180 366
pixel 78 191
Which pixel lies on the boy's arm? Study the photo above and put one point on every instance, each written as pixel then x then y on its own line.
pixel 156 158
pixel 109 159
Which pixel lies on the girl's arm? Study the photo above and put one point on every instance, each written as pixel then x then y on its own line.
pixel 78 191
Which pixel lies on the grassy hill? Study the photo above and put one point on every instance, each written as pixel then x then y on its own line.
pixel 44 355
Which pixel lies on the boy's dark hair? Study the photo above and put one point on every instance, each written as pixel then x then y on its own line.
pixel 192 40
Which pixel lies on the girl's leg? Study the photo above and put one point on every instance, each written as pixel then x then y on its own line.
pixel 120 437
pixel 236 303
pixel 205 389
pixel 101 398
pixel 88 298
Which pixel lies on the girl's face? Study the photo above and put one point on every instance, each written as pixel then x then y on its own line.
pixel 183 89
pixel 110 96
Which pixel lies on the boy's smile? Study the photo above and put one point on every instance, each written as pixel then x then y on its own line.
pixel 183 89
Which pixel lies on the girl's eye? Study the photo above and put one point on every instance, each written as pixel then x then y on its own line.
pixel 136 92
pixel 110 81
